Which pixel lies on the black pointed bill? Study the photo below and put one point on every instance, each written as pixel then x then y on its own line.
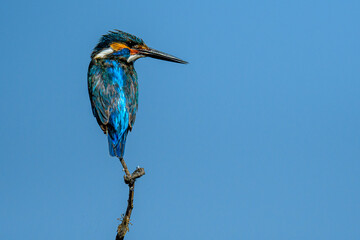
pixel 160 55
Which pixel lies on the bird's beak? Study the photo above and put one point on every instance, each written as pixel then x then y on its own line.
pixel 160 55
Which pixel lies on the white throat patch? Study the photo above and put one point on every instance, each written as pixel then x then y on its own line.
pixel 132 58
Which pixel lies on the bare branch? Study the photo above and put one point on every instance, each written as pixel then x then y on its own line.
pixel 123 227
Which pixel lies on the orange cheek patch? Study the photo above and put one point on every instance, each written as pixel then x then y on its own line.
pixel 118 46
pixel 133 51
pixel 136 48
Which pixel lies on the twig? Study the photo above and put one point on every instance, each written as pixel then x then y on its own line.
pixel 123 227
pixel 125 167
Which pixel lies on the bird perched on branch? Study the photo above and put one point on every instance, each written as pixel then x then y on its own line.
pixel 113 84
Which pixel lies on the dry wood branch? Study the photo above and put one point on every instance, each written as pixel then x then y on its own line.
pixel 123 227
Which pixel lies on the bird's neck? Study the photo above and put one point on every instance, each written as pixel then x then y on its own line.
pixel 112 63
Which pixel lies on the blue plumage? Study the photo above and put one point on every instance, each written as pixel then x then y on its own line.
pixel 113 90
pixel 113 85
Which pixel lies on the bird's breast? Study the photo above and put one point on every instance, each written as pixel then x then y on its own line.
pixel 122 80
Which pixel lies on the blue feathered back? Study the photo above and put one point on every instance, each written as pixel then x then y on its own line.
pixel 113 91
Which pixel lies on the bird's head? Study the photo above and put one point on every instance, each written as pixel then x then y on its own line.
pixel 125 47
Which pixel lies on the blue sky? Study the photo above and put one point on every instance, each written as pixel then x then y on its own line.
pixel 257 138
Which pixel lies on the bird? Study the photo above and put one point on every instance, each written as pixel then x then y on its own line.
pixel 113 84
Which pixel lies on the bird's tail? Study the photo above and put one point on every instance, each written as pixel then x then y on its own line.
pixel 117 148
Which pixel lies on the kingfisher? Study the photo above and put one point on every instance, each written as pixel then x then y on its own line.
pixel 113 84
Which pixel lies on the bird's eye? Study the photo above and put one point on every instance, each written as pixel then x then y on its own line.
pixel 138 46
